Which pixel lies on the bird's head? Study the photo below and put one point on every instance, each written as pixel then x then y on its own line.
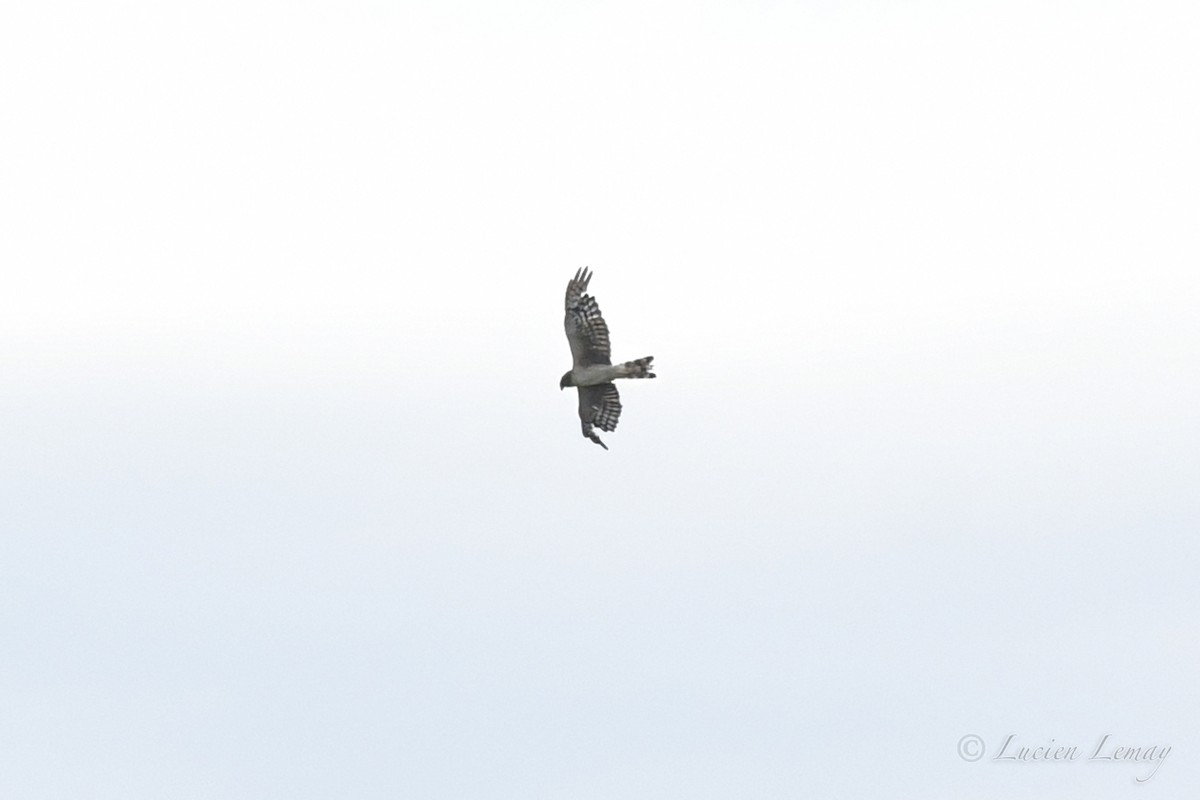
pixel 566 381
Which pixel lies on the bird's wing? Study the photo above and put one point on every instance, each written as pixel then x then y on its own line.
pixel 586 330
pixel 599 407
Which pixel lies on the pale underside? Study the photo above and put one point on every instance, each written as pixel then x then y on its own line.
pixel 592 369
pixel 595 374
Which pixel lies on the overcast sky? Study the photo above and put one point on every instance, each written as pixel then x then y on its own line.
pixel 292 506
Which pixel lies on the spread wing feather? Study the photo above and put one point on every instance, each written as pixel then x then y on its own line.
pixel 586 330
pixel 599 407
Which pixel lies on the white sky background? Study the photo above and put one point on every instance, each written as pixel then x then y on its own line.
pixel 292 506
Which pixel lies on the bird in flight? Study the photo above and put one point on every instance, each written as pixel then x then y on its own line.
pixel 593 372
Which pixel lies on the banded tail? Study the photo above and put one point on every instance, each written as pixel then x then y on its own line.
pixel 638 368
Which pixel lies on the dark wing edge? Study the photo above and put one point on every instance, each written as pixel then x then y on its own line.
pixel 587 332
pixel 599 407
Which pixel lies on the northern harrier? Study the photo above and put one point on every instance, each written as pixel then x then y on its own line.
pixel 593 373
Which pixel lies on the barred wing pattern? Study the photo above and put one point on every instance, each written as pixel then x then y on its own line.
pixel 592 373
pixel 599 407
pixel 585 326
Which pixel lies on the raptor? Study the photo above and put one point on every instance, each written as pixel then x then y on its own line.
pixel 593 372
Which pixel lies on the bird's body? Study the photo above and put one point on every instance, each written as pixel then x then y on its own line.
pixel 593 371
pixel 596 374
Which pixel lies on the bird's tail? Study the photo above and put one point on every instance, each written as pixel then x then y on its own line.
pixel 639 368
